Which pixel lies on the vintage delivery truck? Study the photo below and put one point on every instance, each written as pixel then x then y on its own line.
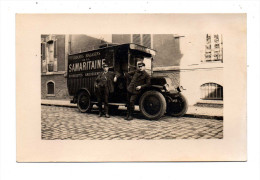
pixel 161 97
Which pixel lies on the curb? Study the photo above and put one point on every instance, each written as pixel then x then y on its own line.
pixel 186 115
pixel 203 116
pixel 60 105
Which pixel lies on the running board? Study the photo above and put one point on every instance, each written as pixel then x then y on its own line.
pixel 115 104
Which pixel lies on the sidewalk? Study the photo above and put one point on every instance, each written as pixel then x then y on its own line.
pixel 193 111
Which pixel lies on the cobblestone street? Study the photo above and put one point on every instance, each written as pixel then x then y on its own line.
pixel 63 123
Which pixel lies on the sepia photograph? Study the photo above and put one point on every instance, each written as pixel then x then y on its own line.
pixel 131 86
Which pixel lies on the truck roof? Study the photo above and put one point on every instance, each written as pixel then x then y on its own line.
pixel 133 46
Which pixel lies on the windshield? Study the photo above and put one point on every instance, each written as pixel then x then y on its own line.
pixel 140 59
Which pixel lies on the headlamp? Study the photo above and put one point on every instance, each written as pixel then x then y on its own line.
pixel 166 87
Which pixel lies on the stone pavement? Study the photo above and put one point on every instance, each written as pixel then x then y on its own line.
pixel 65 123
pixel 193 111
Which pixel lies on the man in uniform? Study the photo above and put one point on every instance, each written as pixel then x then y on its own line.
pixel 104 85
pixel 140 79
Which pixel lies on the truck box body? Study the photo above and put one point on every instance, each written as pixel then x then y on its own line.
pixel 84 67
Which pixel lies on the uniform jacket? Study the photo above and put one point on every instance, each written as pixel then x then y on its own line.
pixel 139 78
pixel 106 80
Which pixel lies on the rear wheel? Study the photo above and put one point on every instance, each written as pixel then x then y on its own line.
pixel 178 106
pixel 83 102
pixel 152 105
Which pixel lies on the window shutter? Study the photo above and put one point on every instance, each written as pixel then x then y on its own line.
pixel 55 49
pixel 55 65
pixel 42 51
pixel 43 57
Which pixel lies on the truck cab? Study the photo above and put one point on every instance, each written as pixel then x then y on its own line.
pixel 161 97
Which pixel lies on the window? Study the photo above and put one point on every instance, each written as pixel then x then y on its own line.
pixel 142 39
pixel 50 88
pixel 211 91
pixel 49 54
pixel 208 38
pixel 136 38
pixel 214 48
pixel 147 40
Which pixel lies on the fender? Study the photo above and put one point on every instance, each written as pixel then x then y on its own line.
pixel 171 96
pixel 152 87
pixel 157 87
pixel 76 96
pixel 83 89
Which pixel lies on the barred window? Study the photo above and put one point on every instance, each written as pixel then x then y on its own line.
pixel 211 91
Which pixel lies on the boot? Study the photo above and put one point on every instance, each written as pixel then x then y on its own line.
pixel 127 116
pixel 100 110
pixel 131 110
pixel 106 111
pixel 127 113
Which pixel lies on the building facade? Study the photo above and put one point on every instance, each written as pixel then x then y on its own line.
pixel 201 74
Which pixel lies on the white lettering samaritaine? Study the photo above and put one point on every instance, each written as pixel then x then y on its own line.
pixel 85 66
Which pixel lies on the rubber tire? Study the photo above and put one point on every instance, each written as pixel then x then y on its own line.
pixel 89 106
pixel 162 102
pixel 182 112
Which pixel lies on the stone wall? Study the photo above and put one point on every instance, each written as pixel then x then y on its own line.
pixel 60 86
pixel 174 75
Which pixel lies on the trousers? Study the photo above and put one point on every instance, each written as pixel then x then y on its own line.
pixel 102 96
pixel 131 98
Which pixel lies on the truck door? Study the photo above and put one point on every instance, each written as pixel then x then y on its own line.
pixel 120 67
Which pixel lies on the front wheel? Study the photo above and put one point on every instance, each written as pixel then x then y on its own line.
pixel 152 105
pixel 177 107
pixel 83 102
